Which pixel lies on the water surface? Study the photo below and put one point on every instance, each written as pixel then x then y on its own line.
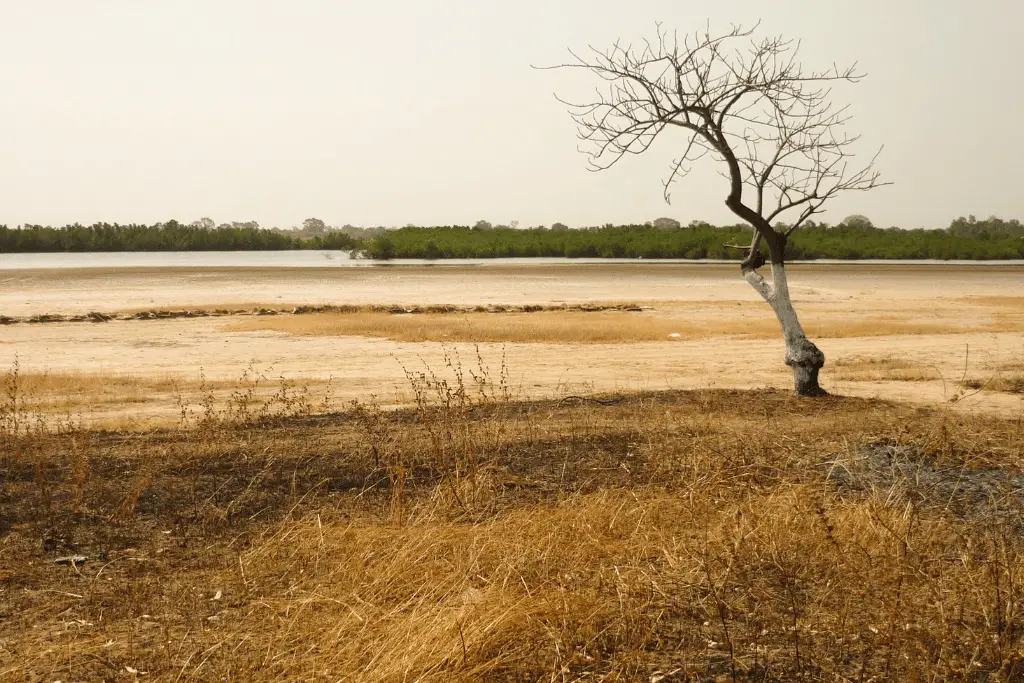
pixel 338 259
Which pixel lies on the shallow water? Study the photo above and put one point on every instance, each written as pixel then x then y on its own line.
pixel 328 259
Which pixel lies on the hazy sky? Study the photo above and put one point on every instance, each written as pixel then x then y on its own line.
pixel 408 111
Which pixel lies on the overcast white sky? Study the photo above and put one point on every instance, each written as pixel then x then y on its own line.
pixel 407 111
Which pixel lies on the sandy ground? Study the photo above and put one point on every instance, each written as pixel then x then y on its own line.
pixel 363 366
pixel 31 292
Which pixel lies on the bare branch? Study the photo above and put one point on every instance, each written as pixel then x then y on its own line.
pixel 745 101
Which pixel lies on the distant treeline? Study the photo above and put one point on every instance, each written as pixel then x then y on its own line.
pixel 170 236
pixel 965 238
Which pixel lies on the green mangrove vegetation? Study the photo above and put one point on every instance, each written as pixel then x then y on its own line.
pixel 965 238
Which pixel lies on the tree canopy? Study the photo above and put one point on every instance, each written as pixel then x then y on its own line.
pixel 965 238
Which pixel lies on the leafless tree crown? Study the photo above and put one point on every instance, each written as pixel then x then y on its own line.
pixel 747 102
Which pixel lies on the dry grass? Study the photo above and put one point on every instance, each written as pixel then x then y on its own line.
pixel 98 386
pixel 551 327
pixel 558 327
pixel 83 393
pixel 691 535
pixel 883 368
pixel 1012 302
pixel 1007 376
pixel 887 325
pixel 1013 384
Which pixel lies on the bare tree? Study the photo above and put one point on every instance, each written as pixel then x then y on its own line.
pixel 748 104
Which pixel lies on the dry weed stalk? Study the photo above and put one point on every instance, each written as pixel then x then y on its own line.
pixel 462 417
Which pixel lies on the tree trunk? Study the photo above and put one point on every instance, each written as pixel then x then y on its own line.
pixel 801 354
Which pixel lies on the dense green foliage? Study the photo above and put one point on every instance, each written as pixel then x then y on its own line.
pixel 170 236
pixel 965 238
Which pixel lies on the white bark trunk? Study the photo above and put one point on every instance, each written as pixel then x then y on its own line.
pixel 801 354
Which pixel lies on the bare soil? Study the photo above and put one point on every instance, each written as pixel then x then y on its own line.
pixel 33 292
pixel 722 334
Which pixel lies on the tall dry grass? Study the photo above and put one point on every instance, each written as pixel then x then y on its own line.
pixel 705 535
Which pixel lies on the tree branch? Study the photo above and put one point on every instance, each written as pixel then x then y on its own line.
pixel 749 103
